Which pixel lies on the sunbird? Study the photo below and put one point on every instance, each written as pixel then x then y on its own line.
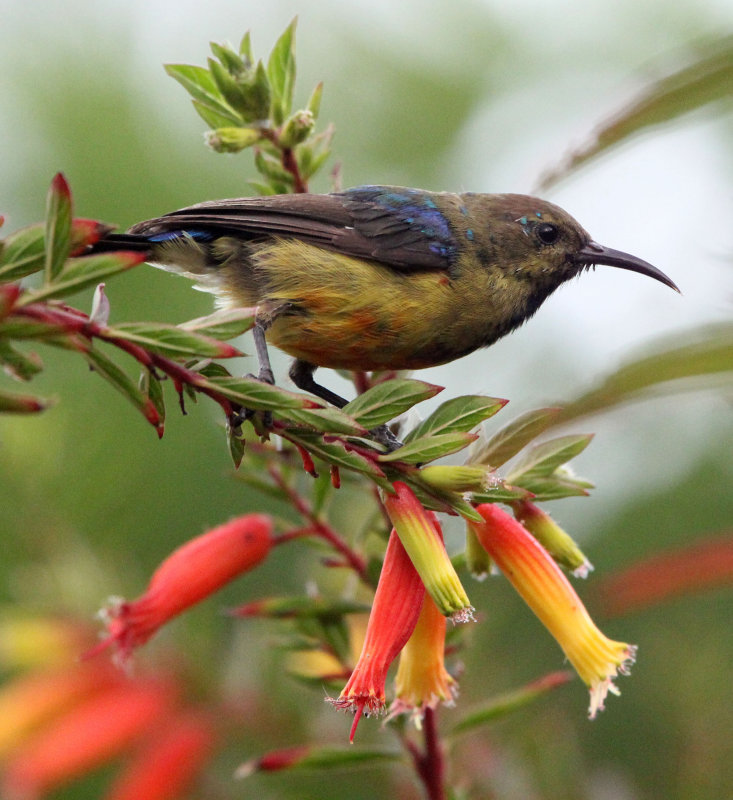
pixel 376 277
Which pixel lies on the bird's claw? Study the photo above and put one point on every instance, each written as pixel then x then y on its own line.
pixel 384 436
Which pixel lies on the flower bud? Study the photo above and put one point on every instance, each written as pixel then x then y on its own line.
pixel 448 478
pixel 232 140
pixel 193 572
pixel 478 562
pixel 552 537
pixel 297 129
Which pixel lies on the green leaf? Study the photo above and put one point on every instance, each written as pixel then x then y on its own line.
pixel 543 459
pixel 429 448
pixel 301 607
pixel 281 74
pixel 230 90
pixel 228 58
pixel 706 80
pixel 388 400
pixel 325 420
pixel 152 386
pixel 457 415
pixel 121 381
pixel 512 701
pixel 314 101
pixel 687 362
pixel 200 84
pixel 334 453
pixel 257 395
pixel 331 757
pixel 170 340
pixel 271 168
pixel 57 227
pixel 236 447
pixel 18 327
pixel 80 273
pixel 502 492
pixel 508 441
pixel 20 366
pixel 215 117
pixel 554 487
pixel 23 253
pixel 245 48
pixel 11 403
pixel 223 324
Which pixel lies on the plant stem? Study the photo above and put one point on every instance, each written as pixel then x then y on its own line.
pixel 319 526
pixel 429 764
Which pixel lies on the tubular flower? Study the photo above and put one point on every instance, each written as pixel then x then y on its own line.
pixel 88 735
pixel 169 762
pixel 422 680
pixel 422 538
pixel 395 611
pixel 191 573
pixel 542 585
pixel 32 700
pixel 552 537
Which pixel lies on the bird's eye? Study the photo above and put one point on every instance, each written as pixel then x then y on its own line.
pixel 547 233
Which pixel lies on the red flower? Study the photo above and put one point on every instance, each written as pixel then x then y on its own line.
pixel 168 763
pixel 422 680
pixel 193 572
pixel 395 611
pixel 86 736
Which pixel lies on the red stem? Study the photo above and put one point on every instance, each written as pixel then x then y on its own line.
pixel 429 765
pixel 291 165
pixel 319 527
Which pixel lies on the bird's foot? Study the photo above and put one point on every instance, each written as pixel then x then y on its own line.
pixel 384 436
pixel 240 415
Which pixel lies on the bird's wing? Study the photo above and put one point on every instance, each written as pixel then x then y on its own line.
pixel 399 227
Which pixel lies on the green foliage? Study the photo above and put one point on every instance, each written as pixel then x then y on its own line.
pixel 706 79
pixel 250 105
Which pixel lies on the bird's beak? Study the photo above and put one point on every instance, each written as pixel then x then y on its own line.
pixel 594 253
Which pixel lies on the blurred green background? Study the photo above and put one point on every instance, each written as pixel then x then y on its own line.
pixel 478 96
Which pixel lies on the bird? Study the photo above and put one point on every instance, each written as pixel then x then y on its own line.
pixel 375 277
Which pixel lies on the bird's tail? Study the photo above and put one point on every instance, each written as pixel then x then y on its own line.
pixel 123 241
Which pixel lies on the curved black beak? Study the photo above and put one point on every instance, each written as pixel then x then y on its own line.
pixel 594 253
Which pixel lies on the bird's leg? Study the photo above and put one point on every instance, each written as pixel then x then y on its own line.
pixel 263 356
pixel 301 374
pixel 264 374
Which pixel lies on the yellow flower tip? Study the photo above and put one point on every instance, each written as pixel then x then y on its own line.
pixel 542 585
pixel 422 538
pixel 600 687
pixel 416 713
pixel 422 681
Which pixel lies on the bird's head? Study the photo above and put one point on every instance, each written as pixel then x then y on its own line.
pixel 538 242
